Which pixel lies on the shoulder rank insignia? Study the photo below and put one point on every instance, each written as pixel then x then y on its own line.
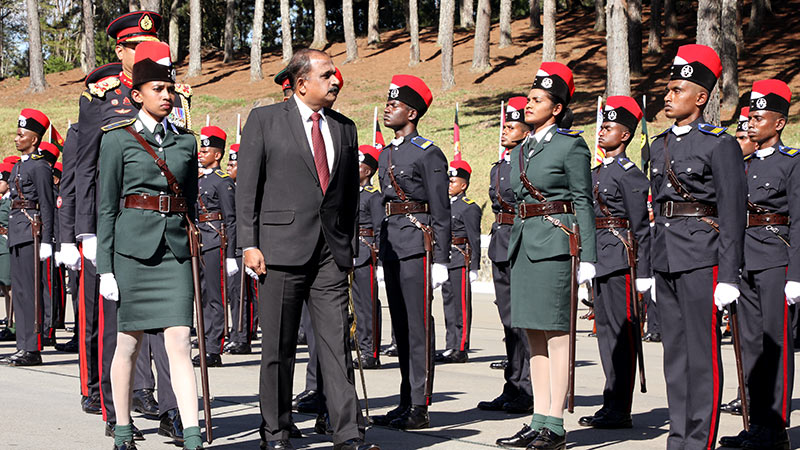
pixel 87 95
pixel 35 157
pixel 789 150
pixel 421 142
pixel 568 132
pixel 100 89
pixel 626 164
pixel 221 173
pixel 370 188
pixel 118 124
pixel 661 134
pixel 711 129
pixel 748 156
pixel 183 89
pixel 467 200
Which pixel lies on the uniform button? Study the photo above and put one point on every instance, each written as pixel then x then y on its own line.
pixel 666 225
pixel 766 184
pixel 162 174
pixel 689 169
pixel 679 139
pixel 160 149
pixel 162 215
pixel 605 190
pixel 655 170
pixel 669 184
pixel 672 161
pixel 755 176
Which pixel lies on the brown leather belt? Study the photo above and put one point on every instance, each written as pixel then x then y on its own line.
pixel 161 203
pixel 687 209
pixel 394 208
pixel 458 240
pixel 611 222
pixel 209 217
pixel 24 204
pixel 504 218
pixel 542 209
pixel 3 230
pixel 366 232
pixel 757 220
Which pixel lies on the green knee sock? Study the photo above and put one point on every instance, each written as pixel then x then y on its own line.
pixel 556 425
pixel 122 434
pixel 191 437
pixel 537 422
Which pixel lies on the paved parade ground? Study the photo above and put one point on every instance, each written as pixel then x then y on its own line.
pixel 39 406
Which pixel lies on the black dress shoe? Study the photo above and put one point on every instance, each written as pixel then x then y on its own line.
pixel 355 444
pixel 548 440
pixel 23 359
pixel 496 404
pixel 521 439
pixel 415 418
pixel 323 424
pixel 309 405
pixel 499 365
pixel 6 335
pixel 367 362
pixel 523 404
pixel 303 396
pixel 125 446
pixel 391 350
pixel 611 421
pixel 171 426
pixel 768 439
pixel 137 434
pixel 238 348
pixel 294 432
pixel 212 360
pixel 456 357
pixel 282 444
pixel 144 403
pixel 738 440
pixel 387 418
pixel 71 346
pixel 91 405
pixel 733 407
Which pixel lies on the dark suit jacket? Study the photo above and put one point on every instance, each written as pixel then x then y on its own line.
pixel 280 206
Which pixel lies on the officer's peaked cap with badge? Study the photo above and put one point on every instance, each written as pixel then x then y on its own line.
pixel 5 171
pixel 58 169
pixel 234 153
pixel 152 63
pixel 697 63
pixel 49 152
pixel 744 119
pixel 282 79
pixel 771 95
pixel 412 91
pixel 212 136
pixel 137 26
pixel 367 154
pixel 555 78
pixel 33 120
pixel 459 169
pixel 515 109
pixel 623 110
pixel 101 73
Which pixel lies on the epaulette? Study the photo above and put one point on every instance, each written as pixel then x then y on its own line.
pixel 789 151
pixel 221 174
pixel 467 200
pixel 370 188
pixel 183 89
pixel 711 129
pixel 568 132
pixel 87 95
pixel 626 164
pixel 421 142
pixel 35 157
pixel 661 134
pixel 118 124
pixel 748 156
pixel 100 89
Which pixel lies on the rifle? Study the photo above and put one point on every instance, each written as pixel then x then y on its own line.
pixel 427 234
pixel 354 332
pixel 637 330
pixel 574 253
pixel 733 319
pixel 223 245
pixel 36 230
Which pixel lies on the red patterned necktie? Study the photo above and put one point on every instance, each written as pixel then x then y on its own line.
pixel 320 157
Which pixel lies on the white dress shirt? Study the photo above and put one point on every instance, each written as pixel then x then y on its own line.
pixel 147 121
pixel 305 114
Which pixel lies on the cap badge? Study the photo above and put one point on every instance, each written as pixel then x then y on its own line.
pixel 761 103
pixel 206 142
pixel 22 122
pixel 394 93
pixel 687 71
pixel 146 23
pixel 515 115
pixel 172 73
pixel 360 157
pixel 745 125
pixel 547 83
pixel 612 115
pixel 452 172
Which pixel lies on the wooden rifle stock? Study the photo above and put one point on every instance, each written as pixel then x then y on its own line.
pixel 194 245
pixel 574 253
pixel 737 351
pixel 636 316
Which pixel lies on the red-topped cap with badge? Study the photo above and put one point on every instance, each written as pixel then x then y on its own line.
pixel 368 155
pixel 460 169
pixel 49 152
pixel 33 120
pixel 624 110
pixel 5 170
pixel 557 79
pixel 412 91
pixel 137 26
pixel 152 63
pixel 212 136
pixel 771 95
pixel 234 153
pixel 697 63
pixel 13 159
pixel 744 119
pixel 58 169
pixel 515 109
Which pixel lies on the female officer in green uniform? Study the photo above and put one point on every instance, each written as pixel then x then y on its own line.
pixel 557 163
pixel 143 255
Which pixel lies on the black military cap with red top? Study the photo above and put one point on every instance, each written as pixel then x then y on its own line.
pixel 103 73
pixel 697 63
pixel 459 169
pixel 557 79
pixel 58 169
pixel 515 109
pixel 5 171
pixel 13 159
pixel 744 119
pixel 623 110
pixel 212 136
pixel 771 95
pixel 412 91
pixel 368 155
pixel 234 153
pixel 152 63
pixel 33 120
pixel 49 152
pixel 137 26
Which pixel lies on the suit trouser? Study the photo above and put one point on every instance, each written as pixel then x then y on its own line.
pixel 615 339
pixel 213 310
pixel 313 375
pixel 22 280
pixel 153 350
pixel 457 302
pixel 250 314
pixel 322 285
pixel 368 309
pixel 407 291
pixel 767 346
pixel 518 370
pixel 692 361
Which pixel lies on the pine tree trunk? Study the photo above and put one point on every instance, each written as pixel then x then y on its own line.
pixel 35 57
pixel 439 35
pixel 413 26
pixel 466 14
pixel 373 34
pixel 255 47
pixel 739 32
pixel 670 19
pixel 617 68
pixel 600 16
pixel 174 31
pixel 505 23
pixel 349 31
pixel 230 12
pixel 151 5
pixel 480 56
pixel 320 21
pixel 759 9
pixel 549 31
pixel 448 77
pixel 729 55
pixel 708 33
pixel 536 16
pixel 133 5
pixel 654 43
pixel 286 32
pixel 635 36
pixel 407 16
pixel 88 58
pixel 195 39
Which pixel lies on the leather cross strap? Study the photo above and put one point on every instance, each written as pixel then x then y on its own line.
pixel 611 222
pixel 400 192
pixel 366 232
pixel 758 220
pixel 673 178
pixel 458 240
pixel 504 206
pixel 209 216
pixel 3 230
pixel 171 180
pixel 523 177
pixel 505 218
pixel 600 202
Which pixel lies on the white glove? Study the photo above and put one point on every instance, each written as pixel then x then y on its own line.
pixel 653 290
pixel 45 251
pixel 439 274
pixel 643 284
pixel 89 244
pixel 792 292
pixel 250 272
pixel 231 267
pixel 57 258
pixel 586 273
pixel 379 276
pixel 473 275
pixel 725 294
pixel 70 256
pixel 108 287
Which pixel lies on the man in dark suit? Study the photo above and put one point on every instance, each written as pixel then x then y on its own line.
pixel 298 203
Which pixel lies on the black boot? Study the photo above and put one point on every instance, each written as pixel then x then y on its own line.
pixel 387 418
pixel 144 403
pixel 171 425
pixel 415 418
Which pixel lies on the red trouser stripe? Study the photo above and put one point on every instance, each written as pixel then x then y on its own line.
pixel 222 274
pixel 785 357
pixel 714 361
pixel 373 295
pixel 464 312
pixel 82 362
pixel 631 333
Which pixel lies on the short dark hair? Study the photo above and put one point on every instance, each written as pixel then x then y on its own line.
pixel 300 64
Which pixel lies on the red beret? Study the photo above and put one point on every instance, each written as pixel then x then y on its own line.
pixel 152 63
pixel 212 137
pixel 557 79
pixel 622 109
pixel 137 26
pixel 368 155
pixel 771 95
pixel 515 109
pixel 338 76
pixel 34 120
pixel 460 169
pixel 412 91
pixel 697 63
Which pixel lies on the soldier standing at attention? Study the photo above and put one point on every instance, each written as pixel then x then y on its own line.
pixel 465 256
pixel 5 258
pixel 551 177
pixel 52 275
pixel 517 396
pixel 771 275
pixel 620 205
pixel 698 184
pixel 413 178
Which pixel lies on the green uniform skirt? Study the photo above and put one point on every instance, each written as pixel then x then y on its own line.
pixel 540 293
pixel 155 293
pixel 5 269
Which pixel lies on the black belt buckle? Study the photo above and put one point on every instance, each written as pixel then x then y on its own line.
pixel 162 199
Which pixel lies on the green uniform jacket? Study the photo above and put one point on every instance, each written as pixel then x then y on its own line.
pixel 559 167
pixel 5 208
pixel 126 168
